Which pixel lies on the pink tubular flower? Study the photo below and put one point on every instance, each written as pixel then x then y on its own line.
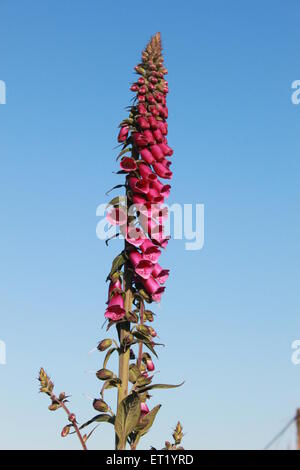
pixel 162 171
pixel 157 152
pixel 167 151
pixel 149 136
pixel 151 226
pixel 128 164
pixel 140 140
pixel 160 274
pixel 117 216
pixel 147 156
pixel 139 185
pixel 158 135
pixel 140 204
pixel 152 194
pixel 142 109
pixel 115 310
pixel 163 242
pixel 135 236
pixel 150 251
pixel 154 124
pixel 139 199
pixel 159 212
pixel 143 123
pixel 144 268
pixel 163 126
pixel 163 189
pixel 144 409
pixel 156 297
pixel 141 266
pixel 113 286
pixel 147 173
pixel 152 286
pixel 159 200
pixel 123 134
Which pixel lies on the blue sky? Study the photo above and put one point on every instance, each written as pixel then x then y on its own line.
pixel 231 310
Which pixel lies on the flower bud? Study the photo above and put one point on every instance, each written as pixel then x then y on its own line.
pixel 143 329
pixel 149 315
pixel 142 90
pixel 154 111
pixel 65 431
pixel 140 70
pixel 178 434
pixel 143 123
pixel 104 374
pixel 123 134
pixel 168 445
pixel 144 409
pixel 100 405
pixel 158 135
pixel 152 331
pixel 128 340
pixel 132 355
pixel 104 344
pixel 150 365
pixel 142 109
pixel 154 124
pixel 54 406
pixel 143 380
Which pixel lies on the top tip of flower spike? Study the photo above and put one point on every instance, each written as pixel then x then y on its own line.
pixel 154 47
pixel 46 386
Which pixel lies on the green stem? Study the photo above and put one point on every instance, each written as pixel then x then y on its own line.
pixel 139 361
pixel 124 354
pixel 54 398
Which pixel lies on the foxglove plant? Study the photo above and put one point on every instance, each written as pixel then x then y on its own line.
pixel 136 278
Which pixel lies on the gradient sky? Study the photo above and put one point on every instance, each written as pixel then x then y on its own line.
pixel 231 310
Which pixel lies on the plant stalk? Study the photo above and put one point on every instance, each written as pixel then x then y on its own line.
pixel 124 354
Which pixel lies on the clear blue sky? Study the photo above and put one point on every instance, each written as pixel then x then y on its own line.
pixel 231 310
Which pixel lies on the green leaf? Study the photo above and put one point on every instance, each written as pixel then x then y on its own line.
pixel 107 356
pixel 164 386
pixel 127 417
pixel 117 263
pixel 145 340
pixel 111 383
pixel 116 201
pixel 143 381
pixel 115 187
pixel 145 424
pixel 134 373
pixel 103 418
pixel 125 150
